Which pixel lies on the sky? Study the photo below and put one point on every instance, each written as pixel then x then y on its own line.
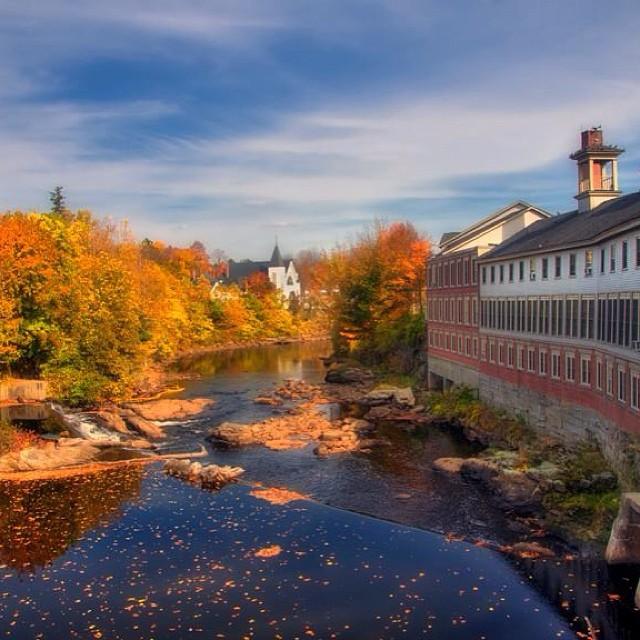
pixel 233 122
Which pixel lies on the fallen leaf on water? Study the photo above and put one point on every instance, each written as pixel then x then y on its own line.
pixel 268 552
pixel 277 495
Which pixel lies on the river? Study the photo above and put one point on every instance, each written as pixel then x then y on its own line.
pixel 374 553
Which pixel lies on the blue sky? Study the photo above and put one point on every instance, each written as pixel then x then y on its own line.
pixel 231 122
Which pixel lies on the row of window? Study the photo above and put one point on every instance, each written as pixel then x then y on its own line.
pixel 459 272
pixel 557 266
pixel 613 318
pixel 602 375
pixel 462 310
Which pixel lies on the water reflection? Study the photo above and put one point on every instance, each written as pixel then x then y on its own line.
pixel 40 520
pixel 285 360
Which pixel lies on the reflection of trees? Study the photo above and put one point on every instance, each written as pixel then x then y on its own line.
pixel 283 359
pixel 39 520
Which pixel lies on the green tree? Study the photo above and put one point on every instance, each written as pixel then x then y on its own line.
pixel 58 204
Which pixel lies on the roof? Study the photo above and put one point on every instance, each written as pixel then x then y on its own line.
pixel 572 228
pixel 276 257
pixel 449 235
pixel 489 222
pixel 240 270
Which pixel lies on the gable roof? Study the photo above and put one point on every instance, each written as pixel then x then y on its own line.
pixel 489 222
pixel 572 228
pixel 238 271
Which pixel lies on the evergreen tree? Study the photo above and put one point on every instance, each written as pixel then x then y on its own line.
pixel 56 197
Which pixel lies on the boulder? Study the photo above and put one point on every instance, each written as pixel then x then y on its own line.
pixel 171 408
pixel 478 469
pixel 381 412
pixel 232 434
pixel 342 374
pixel 624 542
pixel 400 396
pixel 109 420
pixel 516 492
pixel 65 453
pixel 210 475
pixel 143 426
pixel 448 465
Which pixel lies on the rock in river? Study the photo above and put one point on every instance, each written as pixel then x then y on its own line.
pixel 210 475
pixel 64 453
pixel 399 396
pixel 342 374
pixel 624 543
pixel 448 465
pixel 171 408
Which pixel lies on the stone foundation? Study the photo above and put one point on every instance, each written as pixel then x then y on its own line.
pixel 570 423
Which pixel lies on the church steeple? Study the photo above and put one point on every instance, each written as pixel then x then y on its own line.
pixel 597 170
pixel 276 257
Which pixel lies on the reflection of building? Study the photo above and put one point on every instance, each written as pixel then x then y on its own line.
pixel 281 273
pixel 558 319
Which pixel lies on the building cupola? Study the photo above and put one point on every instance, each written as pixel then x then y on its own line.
pixel 597 170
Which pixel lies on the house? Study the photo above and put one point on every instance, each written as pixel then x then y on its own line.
pixel 281 273
pixel 559 314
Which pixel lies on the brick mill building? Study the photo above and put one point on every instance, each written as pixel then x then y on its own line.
pixel 558 322
pixel 453 300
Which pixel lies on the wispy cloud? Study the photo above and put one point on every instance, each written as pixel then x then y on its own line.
pixel 439 117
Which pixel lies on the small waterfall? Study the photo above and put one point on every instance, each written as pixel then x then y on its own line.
pixel 82 426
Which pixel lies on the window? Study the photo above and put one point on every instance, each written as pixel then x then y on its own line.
pixel 542 358
pixel 531 360
pixel 532 268
pixel 484 275
pixel 635 390
pixel 521 358
pixel 545 268
pixel 521 270
pixel 492 351
pixel 572 265
pixel 603 260
pixel 625 255
pixel 609 379
pixel 622 385
pixel 570 368
pixel 501 353
pixel 468 346
pixel 501 273
pixel 475 347
pixel 637 252
pixel 588 263
pixel 599 375
pixel 612 258
pixel 510 356
pixel 558 269
pixel 493 274
pixel 585 370
pixel 555 364
pixel 511 269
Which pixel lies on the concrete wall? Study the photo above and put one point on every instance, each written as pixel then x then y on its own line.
pixel 15 389
pixel 451 373
pixel 571 423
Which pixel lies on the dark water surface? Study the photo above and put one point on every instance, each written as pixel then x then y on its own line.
pixel 131 553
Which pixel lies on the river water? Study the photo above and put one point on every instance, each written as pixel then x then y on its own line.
pixel 374 553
